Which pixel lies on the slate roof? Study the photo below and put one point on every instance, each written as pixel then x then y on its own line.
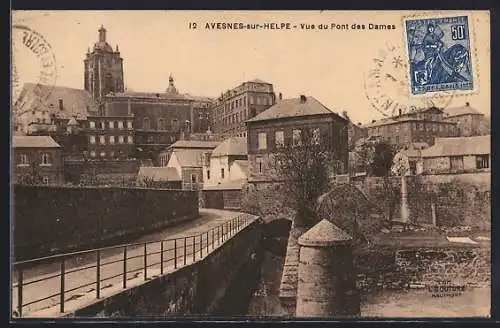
pixel 76 102
pixel 195 144
pixel 234 146
pixel 461 110
pixel 459 146
pixel 189 157
pixel 159 173
pixel 34 142
pixel 155 95
pixel 294 108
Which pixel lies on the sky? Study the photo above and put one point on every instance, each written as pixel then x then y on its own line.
pixel 329 64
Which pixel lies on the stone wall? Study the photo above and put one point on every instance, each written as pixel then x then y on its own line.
pixel 196 289
pixel 222 199
pixel 460 199
pixel 50 220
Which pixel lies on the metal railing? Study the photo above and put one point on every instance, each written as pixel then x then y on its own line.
pixel 160 254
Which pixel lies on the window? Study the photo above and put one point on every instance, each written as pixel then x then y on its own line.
pixel 259 163
pixel 92 124
pixel 262 140
pixel 121 139
pixel 161 124
pixel 175 125
pixel 23 160
pixel 120 124
pixel 103 154
pixel 92 153
pixel 482 161
pixel 102 140
pixel 315 136
pixel 208 174
pixel 111 154
pixel 130 139
pixel 46 180
pixel 397 139
pixel 46 159
pixel 457 162
pixel 222 173
pixel 297 137
pixel 279 139
pixel 103 125
pixel 251 100
pixel 193 178
pixel 245 101
pixel 111 124
pixel 129 124
pixel 111 139
pixel 145 123
pixel 421 127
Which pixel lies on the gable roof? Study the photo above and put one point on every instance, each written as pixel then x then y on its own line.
pixel 294 108
pixel 461 110
pixel 459 146
pixel 259 81
pixel 159 173
pixel 234 146
pixel 34 142
pixel 195 144
pixel 76 102
pixel 189 157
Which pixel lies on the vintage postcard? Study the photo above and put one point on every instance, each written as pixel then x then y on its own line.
pixel 250 164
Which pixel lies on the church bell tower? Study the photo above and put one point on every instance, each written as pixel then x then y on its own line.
pixel 103 69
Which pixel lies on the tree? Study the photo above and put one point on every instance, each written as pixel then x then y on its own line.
pixel 305 167
pixel 376 154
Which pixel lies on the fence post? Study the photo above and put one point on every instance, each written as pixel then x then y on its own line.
pixel 207 242
pixel 161 257
pixel 20 291
pixel 175 254
pixel 125 266
pixel 213 238
pixel 185 250
pixel 222 233
pixel 61 295
pixel 194 248
pixel 201 245
pixel 98 274
pixel 145 261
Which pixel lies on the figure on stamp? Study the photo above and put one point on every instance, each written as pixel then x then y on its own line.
pixel 439 54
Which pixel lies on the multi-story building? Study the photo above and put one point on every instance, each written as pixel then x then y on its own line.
pixel 37 160
pixel 283 123
pixel 201 114
pixel 414 127
pixel 469 121
pixel 237 105
pixel 110 137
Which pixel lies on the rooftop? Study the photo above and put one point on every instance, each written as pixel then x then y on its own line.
pixel 234 146
pixel 195 144
pixel 296 107
pixel 459 146
pixel 34 142
pixel 75 102
pixel 461 110
pixel 189 157
pixel 242 163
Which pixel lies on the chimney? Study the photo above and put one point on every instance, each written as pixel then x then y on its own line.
pixel 373 121
pixel 303 99
pixel 400 112
pixel 280 96
pixel 61 105
pixel 467 104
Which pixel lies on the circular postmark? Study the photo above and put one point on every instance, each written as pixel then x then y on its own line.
pixel 32 60
pixel 387 89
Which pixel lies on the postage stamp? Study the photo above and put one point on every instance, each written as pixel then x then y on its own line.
pixel 439 54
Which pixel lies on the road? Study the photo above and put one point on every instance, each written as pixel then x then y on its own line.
pixel 81 271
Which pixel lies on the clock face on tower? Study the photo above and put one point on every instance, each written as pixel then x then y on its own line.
pixel 387 88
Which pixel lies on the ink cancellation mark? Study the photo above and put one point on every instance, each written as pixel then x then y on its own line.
pixel 25 39
pixel 387 88
pixel 439 54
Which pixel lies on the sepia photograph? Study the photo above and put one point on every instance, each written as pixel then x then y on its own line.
pixel 255 165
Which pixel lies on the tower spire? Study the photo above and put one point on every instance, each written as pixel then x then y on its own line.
pixel 102 34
